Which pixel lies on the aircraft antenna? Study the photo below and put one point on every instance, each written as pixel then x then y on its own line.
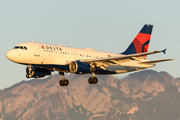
pixel 59 44
pixel 32 40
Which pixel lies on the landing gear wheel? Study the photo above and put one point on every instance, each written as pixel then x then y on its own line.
pixel 28 76
pixel 61 83
pixel 64 82
pixel 95 80
pixel 90 80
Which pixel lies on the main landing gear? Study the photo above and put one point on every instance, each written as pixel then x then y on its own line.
pixel 63 82
pixel 93 79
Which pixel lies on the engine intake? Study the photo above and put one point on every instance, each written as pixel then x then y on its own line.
pixel 80 67
pixel 37 72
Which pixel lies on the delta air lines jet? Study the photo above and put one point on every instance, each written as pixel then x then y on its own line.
pixel 42 59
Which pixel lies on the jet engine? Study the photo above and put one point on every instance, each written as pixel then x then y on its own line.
pixel 80 67
pixel 36 72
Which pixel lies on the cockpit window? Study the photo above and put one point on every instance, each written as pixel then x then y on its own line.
pixel 16 47
pixel 20 47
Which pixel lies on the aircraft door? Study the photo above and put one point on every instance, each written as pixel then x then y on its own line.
pixel 36 50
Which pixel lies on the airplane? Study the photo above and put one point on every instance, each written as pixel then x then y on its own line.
pixel 42 59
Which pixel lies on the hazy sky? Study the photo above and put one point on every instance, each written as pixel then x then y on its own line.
pixel 105 25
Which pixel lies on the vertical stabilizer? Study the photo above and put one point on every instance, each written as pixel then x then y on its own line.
pixel 141 42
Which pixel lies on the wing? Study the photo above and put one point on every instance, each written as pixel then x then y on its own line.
pixel 124 57
pixel 120 60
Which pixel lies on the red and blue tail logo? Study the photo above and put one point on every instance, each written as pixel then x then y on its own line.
pixel 141 42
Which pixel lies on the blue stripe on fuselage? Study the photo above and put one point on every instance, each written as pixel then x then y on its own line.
pixel 61 67
pixel 66 68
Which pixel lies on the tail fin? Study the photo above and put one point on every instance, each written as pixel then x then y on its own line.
pixel 141 42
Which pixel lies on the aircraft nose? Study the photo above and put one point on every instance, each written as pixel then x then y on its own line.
pixel 9 55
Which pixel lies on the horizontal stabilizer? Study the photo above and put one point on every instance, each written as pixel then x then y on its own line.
pixel 156 61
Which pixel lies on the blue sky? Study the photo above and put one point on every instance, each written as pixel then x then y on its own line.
pixel 105 25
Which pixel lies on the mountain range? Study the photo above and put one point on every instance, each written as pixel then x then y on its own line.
pixel 143 95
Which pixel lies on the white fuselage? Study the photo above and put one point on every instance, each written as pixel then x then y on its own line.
pixel 46 54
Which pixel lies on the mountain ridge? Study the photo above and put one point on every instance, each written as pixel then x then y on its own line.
pixel 145 94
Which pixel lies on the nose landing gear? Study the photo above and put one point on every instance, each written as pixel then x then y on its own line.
pixel 29 71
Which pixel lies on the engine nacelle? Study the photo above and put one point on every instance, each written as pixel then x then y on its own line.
pixel 38 72
pixel 80 67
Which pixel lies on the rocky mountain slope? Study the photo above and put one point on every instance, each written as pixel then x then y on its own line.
pixel 144 95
